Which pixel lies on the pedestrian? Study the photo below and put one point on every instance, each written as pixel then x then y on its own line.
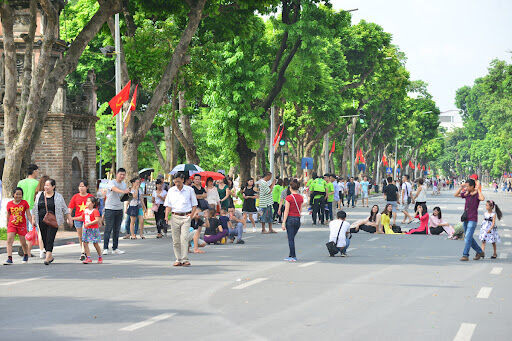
pixel 78 204
pixel 18 210
pixel 91 229
pixel 471 191
pixel 318 188
pixel 265 186
pixel 158 207
pixel 342 186
pixel 212 194
pixel 339 233
pixel 351 192
pixel 276 195
pixel 424 218
pixel 370 224
pixel 48 203
pixel 330 196
pixel 282 198
pixel 291 218
pixel 116 190
pixel 391 196
pixel 489 229
pixel 29 186
pixel 420 196
pixel 224 194
pixel 181 203
pixel 249 206
pixel 406 197
pixel 358 189
pixel 336 186
pixel 136 209
pixel 437 225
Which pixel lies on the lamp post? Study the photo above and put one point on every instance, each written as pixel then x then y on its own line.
pixel 119 118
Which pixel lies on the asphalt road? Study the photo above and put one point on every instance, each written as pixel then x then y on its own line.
pixel 389 288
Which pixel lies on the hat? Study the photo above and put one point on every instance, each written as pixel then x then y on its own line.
pixel 473 176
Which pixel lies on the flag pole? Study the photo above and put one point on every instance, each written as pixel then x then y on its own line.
pixel 119 118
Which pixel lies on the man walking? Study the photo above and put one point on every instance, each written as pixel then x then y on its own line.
pixel 351 192
pixel 472 192
pixel 406 197
pixel 364 190
pixel 391 196
pixel 29 185
pixel 181 203
pixel 266 202
pixel 330 196
pixel 318 191
pixel 114 211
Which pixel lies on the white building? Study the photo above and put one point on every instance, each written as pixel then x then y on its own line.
pixel 450 120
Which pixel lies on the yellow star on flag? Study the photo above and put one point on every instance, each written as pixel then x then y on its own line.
pixel 82 207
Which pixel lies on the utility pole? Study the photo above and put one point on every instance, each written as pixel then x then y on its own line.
pixel 326 153
pixel 282 162
pixel 353 160
pixel 396 157
pixel 119 117
pixel 271 142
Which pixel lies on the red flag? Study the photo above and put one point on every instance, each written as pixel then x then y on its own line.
pixel 130 109
pixel 384 160
pixel 116 103
pixel 333 148
pixel 411 165
pixel 362 159
pixel 276 137
pixel 423 168
pixel 419 166
pixel 399 163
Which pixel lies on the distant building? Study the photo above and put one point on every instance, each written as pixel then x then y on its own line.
pixel 450 120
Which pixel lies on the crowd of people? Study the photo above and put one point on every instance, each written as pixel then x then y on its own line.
pixel 187 207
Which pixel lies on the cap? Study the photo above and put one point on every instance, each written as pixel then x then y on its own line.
pixel 473 176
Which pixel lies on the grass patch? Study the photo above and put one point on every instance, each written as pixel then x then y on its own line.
pixel 3 235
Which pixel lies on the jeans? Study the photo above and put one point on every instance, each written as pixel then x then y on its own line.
pixel 292 227
pixel 237 231
pixel 469 241
pixel 329 207
pixel 113 220
pixel 349 197
pixel 318 210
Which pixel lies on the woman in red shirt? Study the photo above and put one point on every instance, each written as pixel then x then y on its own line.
pixel 422 214
pixel 79 204
pixel 291 220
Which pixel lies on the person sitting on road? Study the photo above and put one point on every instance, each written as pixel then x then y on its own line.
pixel 233 224
pixel 370 224
pixel 194 233
pixel 423 216
pixel 385 220
pixel 339 230
pixel 437 225
pixel 214 231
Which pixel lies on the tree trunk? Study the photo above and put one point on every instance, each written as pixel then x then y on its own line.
pixel 245 154
pixel 347 148
pixel 185 133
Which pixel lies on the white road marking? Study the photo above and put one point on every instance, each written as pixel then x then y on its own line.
pixel 507 235
pixel 248 237
pixel 496 271
pixel 507 243
pixel 484 292
pixel 307 264
pixel 21 281
pixel 146 323
pixel 503 255
pixel 465 332
pixel 127 261
pixel 460 207
pixel 372 239
pixel 248 284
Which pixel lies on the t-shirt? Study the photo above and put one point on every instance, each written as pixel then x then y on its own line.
pixel 224 220
pixel 90 216
pixel 199 191
pixel 195 224
pixel 364 186
pixel 136 201
pixel 471 207
pixel 16 214
pixel 294 210
pixel 113 201
pixel 79 203
pixel 276 192
pixel 330 188
pixel 391 192
pixel 212 229
pixel 334 228
pixel 29 190
pixel 265 194
pixel 351 188
pixel 156 199
pixel 406 188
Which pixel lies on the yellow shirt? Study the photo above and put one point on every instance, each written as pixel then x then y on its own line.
pixel 385 219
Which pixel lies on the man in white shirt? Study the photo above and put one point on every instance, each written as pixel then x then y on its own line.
pixel 181 203
pixel 406 197
pixel 339 232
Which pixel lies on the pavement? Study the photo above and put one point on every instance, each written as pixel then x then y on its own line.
pixel 391 287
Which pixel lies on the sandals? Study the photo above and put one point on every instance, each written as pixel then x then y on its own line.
pixel 494 256
pixel 133 237
pixel 185 264
pixel 158 236
pixel 126 237
pixel 177 264
pixel 142 237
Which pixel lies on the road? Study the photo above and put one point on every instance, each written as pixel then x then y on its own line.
pixel 389 288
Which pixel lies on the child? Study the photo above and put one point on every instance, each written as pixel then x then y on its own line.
pixel 91 230
pixel 489 229
pixel 339 232
pixel 17 223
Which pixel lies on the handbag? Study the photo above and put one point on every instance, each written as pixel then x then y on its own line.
pixel 464 216
pixel 155 207
pixel 49 218
pixel 331 246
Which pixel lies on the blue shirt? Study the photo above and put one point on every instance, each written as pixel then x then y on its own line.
pixel 364 186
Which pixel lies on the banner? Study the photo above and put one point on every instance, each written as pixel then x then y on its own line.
pixel 116 103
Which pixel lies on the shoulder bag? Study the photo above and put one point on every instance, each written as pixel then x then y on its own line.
pixel 332 246
pixel 49 218
pixel 409 199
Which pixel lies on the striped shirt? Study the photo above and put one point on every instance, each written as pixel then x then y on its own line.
pixel 265 194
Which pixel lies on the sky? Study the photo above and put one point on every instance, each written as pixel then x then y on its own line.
pixel 448 43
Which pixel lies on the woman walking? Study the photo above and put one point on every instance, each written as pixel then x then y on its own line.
pixel 48 203
pixel 291 218
pixel 421 195
pixel 136 209
pixel 158 207
pixel 78 203
pixel 249 206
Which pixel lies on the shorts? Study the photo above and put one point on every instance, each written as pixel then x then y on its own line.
pixel 78 224
pixel 364 194
pixel 134 211
pixel 266 215
pixel 91 235
pixel 393 204
pixel 19 230
pixel 404 207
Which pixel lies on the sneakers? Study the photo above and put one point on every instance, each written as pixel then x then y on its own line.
pixel 20 251
pixel 82 257
pixel 290 259
pixel 100 260
pixel 25 259
pixel 87 260
pixel 42 254
pixel 117 252
pixel 8 261
pixel 105 252
pixel 240 241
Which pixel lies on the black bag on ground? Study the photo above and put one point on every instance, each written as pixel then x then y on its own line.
pixel 396 229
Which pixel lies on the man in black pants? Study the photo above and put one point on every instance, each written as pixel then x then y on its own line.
pixel 114 211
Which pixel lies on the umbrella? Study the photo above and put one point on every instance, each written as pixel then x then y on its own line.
pixel 186 167
pixel 146 172
pixel 206 174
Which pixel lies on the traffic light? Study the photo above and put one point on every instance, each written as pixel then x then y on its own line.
pixel 362 116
